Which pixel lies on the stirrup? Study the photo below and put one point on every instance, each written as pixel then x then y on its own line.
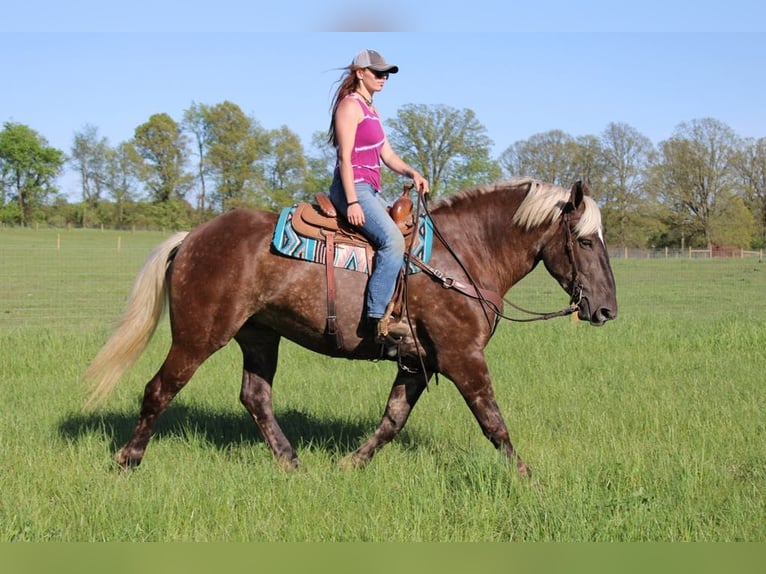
pixel 389 328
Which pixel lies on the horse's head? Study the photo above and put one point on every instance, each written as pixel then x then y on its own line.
pixel 577 258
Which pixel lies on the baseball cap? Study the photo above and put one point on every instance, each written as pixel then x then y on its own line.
pixel 373 60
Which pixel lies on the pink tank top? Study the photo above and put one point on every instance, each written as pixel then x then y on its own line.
pixel 365 157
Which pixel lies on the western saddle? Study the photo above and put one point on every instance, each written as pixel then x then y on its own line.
pixel 320 221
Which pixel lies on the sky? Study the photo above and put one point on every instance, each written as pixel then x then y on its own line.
pixel 523 70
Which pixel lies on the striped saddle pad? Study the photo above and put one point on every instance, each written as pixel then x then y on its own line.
pixel 350 253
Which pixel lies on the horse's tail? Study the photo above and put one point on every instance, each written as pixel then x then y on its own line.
pixel 135 329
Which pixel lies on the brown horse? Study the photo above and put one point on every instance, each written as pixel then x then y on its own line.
pixel 223 280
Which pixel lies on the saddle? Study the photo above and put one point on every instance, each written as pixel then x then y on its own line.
pixel 320 221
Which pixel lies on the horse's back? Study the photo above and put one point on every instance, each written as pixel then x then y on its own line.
pixel 226 271
pixel 217 267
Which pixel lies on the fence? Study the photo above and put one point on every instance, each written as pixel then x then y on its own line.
pixel 667 253
pixel 81 278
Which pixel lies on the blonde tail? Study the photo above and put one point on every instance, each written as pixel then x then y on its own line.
pixel 137 325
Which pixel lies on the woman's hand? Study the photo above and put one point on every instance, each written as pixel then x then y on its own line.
pixel 421 183
pixel 355 215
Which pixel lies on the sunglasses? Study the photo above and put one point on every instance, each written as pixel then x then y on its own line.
pixel 379 75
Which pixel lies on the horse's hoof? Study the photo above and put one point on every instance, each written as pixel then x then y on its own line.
pixel 124 461
pixel 523 470
pixel 292 463
pixel 353 462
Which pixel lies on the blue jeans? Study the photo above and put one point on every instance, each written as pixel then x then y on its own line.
pixel 384 235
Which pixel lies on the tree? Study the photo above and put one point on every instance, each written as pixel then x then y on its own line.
pixel 733 224
pixel 285 167
pixel 449 147
pixel 89 157
pixel 750 166
pixel 694 173
pixel 162 148
pixel 319 168
pixel 121 179
pixel 549 156
pixel 195 121
pixel 235 143
pixel 625 156
pixel 28 168
pixel 587 161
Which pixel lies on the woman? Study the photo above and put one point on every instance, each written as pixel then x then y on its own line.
pixel 357 134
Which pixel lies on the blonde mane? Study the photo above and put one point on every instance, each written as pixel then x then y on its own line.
pixel 545 203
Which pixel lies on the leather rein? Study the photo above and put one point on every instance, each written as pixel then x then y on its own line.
pixel 490 300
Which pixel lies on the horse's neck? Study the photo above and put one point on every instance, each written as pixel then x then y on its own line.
pixel 496 251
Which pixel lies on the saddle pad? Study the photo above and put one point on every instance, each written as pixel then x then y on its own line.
pixel 352 257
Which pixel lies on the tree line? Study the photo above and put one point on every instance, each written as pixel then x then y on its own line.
pixel 703 186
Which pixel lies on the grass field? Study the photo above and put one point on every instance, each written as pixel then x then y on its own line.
pixel 648 429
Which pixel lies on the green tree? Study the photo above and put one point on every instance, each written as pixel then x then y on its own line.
pixel 285 168
pixel 28 169
pixel 235 143
pixel 88 156
pixel 550 156
pixel 695 170
pixel 195 121
pixel 750 166
pixel 121 180
pixel 626 154
pixel 162 148
pixel 449 147
pixel 587 162
pixel 732 224
pixel 319 167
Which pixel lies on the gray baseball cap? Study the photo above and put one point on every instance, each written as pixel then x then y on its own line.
pixel 373 60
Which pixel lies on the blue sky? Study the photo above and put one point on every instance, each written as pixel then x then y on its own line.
pixel 65 65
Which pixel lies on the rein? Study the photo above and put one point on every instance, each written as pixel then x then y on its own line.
pixel 489 299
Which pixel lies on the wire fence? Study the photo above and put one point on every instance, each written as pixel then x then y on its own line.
pixel 81 278
pixel 689 253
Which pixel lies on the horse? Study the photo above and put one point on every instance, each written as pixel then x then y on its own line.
pixel 223 280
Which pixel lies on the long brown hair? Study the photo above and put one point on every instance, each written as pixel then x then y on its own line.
pixel 347 84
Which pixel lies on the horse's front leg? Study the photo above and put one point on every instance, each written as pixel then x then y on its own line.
pixel 471 377
pixel 404 394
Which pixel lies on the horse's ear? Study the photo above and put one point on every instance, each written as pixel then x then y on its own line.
pixel 579 190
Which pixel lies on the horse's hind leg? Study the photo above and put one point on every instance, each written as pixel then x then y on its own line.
pixel 405 393
pixel 260 350
pixel 174 373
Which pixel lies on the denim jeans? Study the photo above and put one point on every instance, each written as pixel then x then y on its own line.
pixel 384 235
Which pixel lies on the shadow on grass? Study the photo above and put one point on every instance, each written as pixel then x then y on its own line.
pixel 221 429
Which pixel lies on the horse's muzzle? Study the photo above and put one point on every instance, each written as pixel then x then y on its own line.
pixel 597 317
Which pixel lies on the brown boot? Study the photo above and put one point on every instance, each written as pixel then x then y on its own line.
pixel 391 328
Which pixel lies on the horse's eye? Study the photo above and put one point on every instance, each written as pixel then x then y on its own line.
pixel 585 242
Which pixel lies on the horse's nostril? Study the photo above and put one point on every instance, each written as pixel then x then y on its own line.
pixel 607 313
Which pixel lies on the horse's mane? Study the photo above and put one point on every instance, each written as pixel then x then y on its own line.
pixel 543 203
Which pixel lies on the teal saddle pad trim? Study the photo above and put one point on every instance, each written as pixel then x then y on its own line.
pixel 291 244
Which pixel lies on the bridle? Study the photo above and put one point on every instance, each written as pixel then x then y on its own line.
pixel 576 291
pixel 492 301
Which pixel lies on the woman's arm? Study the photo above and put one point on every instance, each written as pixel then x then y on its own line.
pixel 347 118
pixel 398 165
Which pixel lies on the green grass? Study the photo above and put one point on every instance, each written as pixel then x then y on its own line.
pixel 648 429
